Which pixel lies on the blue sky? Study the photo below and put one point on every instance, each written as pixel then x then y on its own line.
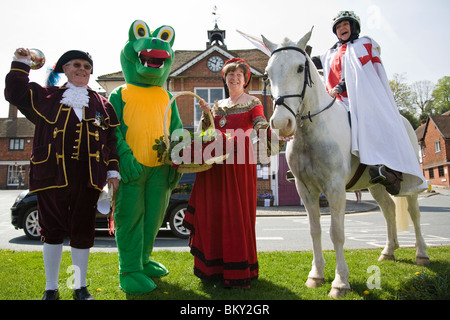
pixel 413 34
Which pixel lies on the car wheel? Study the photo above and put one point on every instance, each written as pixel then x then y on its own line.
pixel 176 221
pixel 31 225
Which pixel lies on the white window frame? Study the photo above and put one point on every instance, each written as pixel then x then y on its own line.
pixel 197 110
pixel 13 175
pixel 16 144
pixel 437 146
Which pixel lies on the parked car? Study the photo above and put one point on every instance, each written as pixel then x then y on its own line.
pixel 24 214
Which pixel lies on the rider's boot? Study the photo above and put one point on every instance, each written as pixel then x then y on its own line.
pixel 387 177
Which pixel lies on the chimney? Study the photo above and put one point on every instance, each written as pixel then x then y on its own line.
pixel 12 112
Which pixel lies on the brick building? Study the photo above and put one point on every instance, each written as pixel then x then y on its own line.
pixel 16 141
pixel 434 140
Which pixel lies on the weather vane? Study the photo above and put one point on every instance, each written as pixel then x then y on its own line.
pixel 215 15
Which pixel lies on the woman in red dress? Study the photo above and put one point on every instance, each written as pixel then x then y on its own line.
pixel 221 213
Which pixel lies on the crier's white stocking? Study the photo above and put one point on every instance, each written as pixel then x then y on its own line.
pixel 52 254
pixel 80 259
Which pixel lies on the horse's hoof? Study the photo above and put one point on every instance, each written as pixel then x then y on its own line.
pixel 384 257
pixel 314 282
pixel 422 261
pixel 337 293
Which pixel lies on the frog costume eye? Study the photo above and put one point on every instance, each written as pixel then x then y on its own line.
pixel 165 33
pixel 147 56
pixel 140 29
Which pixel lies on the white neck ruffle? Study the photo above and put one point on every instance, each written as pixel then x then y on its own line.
pixel 77 98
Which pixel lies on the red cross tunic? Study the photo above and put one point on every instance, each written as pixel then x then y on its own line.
pixel 379 135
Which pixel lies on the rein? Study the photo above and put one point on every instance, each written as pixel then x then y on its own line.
pixel 309 115
pixel 307 82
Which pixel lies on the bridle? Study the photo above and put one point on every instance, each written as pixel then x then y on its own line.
pixel 307 82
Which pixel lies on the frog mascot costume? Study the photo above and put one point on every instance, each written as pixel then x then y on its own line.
pixel 146 185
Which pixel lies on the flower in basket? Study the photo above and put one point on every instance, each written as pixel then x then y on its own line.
pixel 198 148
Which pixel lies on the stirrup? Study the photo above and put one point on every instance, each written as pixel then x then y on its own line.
pixel 290 176
pixel 376 174
pixel 387 177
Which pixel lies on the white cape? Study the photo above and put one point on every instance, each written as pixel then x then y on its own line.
pixel 379 135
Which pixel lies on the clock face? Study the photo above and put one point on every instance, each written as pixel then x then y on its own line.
pixel 215 63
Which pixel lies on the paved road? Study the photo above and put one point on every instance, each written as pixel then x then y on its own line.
pixel 282 229
pixel 365 226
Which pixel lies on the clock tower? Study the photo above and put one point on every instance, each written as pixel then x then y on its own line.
pixel 216 36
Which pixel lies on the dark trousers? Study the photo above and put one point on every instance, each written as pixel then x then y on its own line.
pixel 69 211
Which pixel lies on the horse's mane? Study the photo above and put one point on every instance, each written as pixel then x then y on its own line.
pixel 287 42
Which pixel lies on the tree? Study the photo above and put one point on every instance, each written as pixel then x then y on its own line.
pixel 421 97
pixel 402 96
pixel 402 93
pixel 415 123
pixel 441 95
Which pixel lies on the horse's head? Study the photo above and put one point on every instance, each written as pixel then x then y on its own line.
pixel 289 75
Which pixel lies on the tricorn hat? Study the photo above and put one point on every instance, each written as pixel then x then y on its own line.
pixel 70 55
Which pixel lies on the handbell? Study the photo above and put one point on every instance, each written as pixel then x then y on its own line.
pixel 37 58
pixel 105 200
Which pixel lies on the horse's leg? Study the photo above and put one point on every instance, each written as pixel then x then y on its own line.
pixel 315 276
pixel 421 247
pixel 340 285
pixel 387 206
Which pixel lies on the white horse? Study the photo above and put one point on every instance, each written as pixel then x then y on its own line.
pixel 319 157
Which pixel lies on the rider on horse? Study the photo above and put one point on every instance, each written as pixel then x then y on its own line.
pixel 354 74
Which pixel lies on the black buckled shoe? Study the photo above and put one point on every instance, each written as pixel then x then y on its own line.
pixel 51 295
pixel 387 177
pixel 82 294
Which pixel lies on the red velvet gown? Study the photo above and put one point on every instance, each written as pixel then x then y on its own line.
pixel 221 213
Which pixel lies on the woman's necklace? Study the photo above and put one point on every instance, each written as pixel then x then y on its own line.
pixel 223 120
pixel 230 101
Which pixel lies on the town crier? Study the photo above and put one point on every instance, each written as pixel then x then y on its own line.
pixel 73 157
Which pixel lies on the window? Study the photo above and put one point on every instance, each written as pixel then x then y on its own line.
pixel 441 171
pixel 437 146
pixel 16 175
pixel 16 144
pixel 210 95
pixel 431 173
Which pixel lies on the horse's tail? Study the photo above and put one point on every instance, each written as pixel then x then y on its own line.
pixel 401 213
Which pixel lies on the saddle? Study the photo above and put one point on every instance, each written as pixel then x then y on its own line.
pixel 389 178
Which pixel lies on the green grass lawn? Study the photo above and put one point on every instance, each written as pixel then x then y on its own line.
pixel 281 277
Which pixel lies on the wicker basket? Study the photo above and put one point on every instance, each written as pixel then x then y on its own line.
pixel 188 167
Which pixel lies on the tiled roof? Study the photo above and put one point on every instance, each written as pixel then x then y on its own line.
pixel 112 76
pixel 16 128
pixel 442 123
pixel 420 132
pixel 254 57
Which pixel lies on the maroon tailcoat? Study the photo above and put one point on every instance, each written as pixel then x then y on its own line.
pixel 42 106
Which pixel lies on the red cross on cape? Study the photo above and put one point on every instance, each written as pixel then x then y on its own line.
pixel 369 57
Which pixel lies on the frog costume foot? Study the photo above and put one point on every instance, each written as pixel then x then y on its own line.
pixel 154 269
pixel 136 283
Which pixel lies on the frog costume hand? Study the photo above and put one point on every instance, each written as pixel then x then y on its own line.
pixel 146 185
